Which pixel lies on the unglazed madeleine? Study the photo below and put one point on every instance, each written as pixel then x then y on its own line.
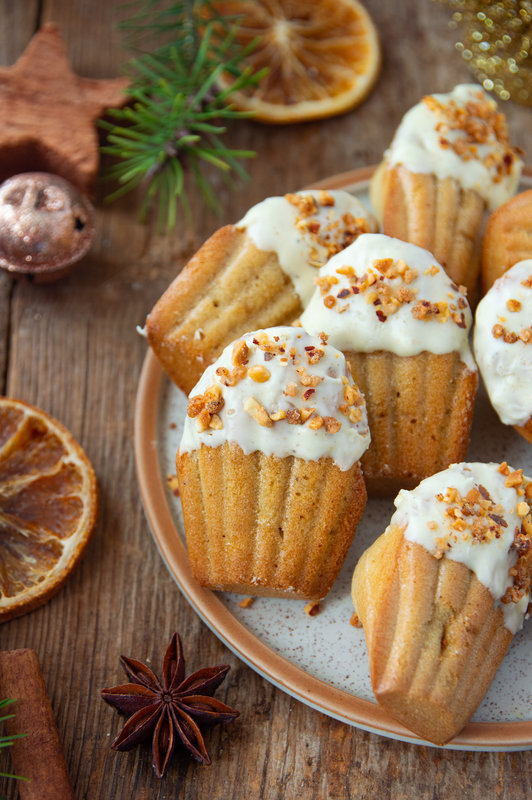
pixel 269 474
pixel 251 275
pixel 402 325
pixel 508 238
pixel 503 346
pixel 449 162
pixel 440 601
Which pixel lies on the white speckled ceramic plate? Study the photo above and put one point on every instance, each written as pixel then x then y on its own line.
pixel 322 660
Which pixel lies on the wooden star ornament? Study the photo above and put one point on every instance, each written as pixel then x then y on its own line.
pixel 48 113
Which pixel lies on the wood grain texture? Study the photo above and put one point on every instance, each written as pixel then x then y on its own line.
pixel 72 349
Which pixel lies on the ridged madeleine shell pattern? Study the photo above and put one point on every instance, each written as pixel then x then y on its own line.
pixel 228 288
pixel 508 238
pixel 435 638
pixel 420 410
pixel 439 216
pixel 264 525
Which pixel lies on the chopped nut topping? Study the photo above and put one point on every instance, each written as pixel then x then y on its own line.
pixel 213 406
pixel 173 484
pixel 522 509
pixel 325 282
pixel 479 122
pixel 313 608
pixel 305 203
pixel 514 478
pixel 240 353
pixel 316 423
pixel 425 310
pixel 306 413
pixel 314 354
pixel 326 199
pixel 332 234
pixel 355 415
pixel 278 415
pixel 332 425
pixel 510 337
pixel 290 390
pixel 205 407
pixel 293 417
pixel 203 420
pixel 259 374
pixel 479 518
pixel 258 412
pixel 231 378
pixel 195 405
pixel 351 394
pixel 306 379
pixel 513 305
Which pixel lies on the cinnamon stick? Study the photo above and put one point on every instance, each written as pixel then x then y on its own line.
pixel 39 755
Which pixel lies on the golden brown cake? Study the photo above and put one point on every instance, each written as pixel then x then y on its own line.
pixel 503 346
pixel 251 275
pixel 402 325
pixel 438 613
pixel 508 238
pixel 449 163
pixel 420 410
pixel 269 472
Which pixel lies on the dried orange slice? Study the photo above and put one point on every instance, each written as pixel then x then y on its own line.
pixel 48 506
pixel 323 57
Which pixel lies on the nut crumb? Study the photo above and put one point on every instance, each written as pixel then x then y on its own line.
pixel 173 484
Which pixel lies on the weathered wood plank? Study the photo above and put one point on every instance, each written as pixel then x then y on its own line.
pixel 19 21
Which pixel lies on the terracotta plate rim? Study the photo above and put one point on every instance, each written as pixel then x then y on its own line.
pixel 312 691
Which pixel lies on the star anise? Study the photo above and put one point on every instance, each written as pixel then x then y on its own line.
pixel 169 709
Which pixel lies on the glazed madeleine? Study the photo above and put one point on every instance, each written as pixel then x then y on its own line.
pixel 254 274
pixel 403 327
pixel 269 466
pixel 448 165
pixel 503 346
pixel 442 592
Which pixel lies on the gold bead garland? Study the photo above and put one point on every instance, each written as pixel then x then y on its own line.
pixel 496 44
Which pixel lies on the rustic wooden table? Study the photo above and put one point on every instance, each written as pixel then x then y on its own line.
pixel 72 349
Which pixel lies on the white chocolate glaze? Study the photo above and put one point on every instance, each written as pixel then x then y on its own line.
pixel 304 229
pixel 459 135
pixel 384 294
pixel 427 515
pixel 503 343
pixel 292 396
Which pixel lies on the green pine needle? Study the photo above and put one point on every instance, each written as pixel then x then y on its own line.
pixel 7 741
pixel 172 127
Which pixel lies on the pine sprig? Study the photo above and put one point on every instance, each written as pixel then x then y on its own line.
pixel 173 127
